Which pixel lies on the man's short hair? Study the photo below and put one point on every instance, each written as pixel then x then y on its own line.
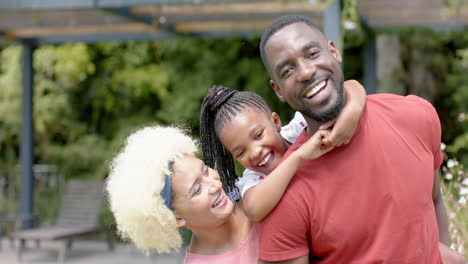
pixel 278 24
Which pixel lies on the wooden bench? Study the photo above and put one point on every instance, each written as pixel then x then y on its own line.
pixel 78 216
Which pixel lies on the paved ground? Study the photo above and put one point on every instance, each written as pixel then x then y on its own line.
pixel 85 251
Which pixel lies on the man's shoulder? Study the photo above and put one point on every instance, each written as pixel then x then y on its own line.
pixel 398 100
pixel 406 112
pixel 406 107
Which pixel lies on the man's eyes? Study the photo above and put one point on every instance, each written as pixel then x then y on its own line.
pixel 286 71
pixel 312 54
pixel 289 68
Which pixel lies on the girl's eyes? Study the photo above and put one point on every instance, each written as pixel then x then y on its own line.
pixel 256 137
pixel 259 134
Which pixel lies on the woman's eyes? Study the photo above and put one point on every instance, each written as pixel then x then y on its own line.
pixel 197 191
pixel 240 153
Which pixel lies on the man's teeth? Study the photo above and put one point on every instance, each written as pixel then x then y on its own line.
pixel 316 88
pixel 264 161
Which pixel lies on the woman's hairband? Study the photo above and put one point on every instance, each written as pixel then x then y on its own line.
pixel 166 192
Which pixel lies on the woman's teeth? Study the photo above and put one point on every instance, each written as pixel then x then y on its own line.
pixel 218 200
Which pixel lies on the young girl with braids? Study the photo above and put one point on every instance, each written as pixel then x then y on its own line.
pixel 240 124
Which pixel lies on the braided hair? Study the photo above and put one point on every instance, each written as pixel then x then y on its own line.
pixel 219 106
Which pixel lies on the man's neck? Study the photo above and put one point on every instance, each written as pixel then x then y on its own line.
pixel 223 238
pixel 312 125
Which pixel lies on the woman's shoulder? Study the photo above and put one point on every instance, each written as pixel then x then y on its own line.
pixel 247 252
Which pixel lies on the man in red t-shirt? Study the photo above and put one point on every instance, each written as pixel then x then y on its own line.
pixel 375 200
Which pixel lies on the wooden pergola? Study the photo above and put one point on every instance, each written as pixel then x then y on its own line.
pixel 50 21
pixel 34 22
pixel 435 14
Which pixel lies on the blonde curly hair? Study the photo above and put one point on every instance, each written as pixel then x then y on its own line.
pixel 135 182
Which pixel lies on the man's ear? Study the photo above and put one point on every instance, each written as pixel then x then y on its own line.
pixel 334 51
pixel 276 120
pixel 277 90
pixel 181 222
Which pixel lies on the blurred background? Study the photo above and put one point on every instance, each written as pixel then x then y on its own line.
pixel 91 72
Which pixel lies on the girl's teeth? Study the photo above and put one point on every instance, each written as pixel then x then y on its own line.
pixel 264 161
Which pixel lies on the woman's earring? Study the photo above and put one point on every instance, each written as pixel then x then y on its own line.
pixel 181 222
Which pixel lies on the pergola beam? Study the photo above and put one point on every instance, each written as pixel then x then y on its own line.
pixel 253 7
pixel 38 32
pixel 152 22
pixel 74 4
pixel 420 13
pixel 94 38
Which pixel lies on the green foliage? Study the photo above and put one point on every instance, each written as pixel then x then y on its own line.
pixel 454 7
pixel 10 69
pixel 88 98
pixel 459 80
pixel 7 206
pixel 197 64
pixel 354 32
pixel 442 55
pixel 455 194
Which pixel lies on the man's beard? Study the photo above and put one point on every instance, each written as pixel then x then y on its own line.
pixel 331 113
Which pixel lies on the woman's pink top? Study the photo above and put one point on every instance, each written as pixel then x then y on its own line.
pixel 247 253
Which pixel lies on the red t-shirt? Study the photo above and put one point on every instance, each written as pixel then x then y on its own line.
pixel 369 201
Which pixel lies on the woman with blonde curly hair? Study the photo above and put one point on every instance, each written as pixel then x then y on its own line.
pixel 157 185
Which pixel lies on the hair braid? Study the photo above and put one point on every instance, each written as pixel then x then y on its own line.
pixel 218 108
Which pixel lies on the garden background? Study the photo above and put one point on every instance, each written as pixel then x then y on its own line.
pixel 89 97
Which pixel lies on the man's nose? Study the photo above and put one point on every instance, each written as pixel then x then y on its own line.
pixel 305 71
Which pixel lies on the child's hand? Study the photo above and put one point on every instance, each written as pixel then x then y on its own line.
pixel 314 147
pixel 342 129
pixel 345 125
